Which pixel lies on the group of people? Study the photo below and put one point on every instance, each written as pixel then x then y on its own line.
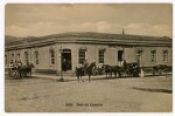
pixel 15 68
pixel 14 65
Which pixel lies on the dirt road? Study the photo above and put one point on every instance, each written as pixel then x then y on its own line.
pixel 150 94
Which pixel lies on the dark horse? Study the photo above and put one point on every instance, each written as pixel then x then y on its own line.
pixel 161 68
pixel 25 70
pixel 112 69
pixel 132 69
pixel 81 71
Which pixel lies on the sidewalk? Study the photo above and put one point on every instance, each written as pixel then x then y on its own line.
pixel 84 78
pixel 54 77
pixel 74 78
pixel 70 78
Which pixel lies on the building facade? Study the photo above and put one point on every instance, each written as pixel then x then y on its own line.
pixel 64 52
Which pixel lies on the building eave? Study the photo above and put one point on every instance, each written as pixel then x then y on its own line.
pixel 92 38
pixel 114 43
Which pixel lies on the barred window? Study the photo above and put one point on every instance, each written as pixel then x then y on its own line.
pixel 101 56
pixel 153 56
pixel 36 57
pixel 82 56
pixel 165 55
pixel 52 56
pixel 26 56
pixel 12 57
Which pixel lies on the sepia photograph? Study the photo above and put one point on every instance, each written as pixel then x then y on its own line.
pixel 106 57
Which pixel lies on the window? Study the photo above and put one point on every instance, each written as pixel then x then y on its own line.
pixel 26 56
pixel 12 57
pixel 153 56
pixel 81 56
pixel 18 56
pixel 6 59
pixel 120 55
pixel 101 56
pixel 36 57
pixel 165 55
pixel 52 56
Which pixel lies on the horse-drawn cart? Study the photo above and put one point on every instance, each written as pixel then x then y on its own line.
pixel 13 73
pixel 18 72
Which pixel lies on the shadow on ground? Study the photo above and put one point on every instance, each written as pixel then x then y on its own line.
pixel 153 90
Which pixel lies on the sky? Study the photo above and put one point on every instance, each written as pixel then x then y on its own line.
pixel 23 20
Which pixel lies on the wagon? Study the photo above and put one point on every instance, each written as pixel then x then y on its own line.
pixel 15 73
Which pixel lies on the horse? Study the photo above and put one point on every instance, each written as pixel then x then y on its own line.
pixel 100 71
pixel 107 69
pixel 161 68
pixel 132 69
pixel 25 70
pixel 112 69
pixel 116 70
pixel 81 71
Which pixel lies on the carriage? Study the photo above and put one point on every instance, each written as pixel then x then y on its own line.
pixel 128 69
pixel 14 73
pixel 19 72
pixel 161 68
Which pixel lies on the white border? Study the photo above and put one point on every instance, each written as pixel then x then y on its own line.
pixel 87 1
pixel 2 33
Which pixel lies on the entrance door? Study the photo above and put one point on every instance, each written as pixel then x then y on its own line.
pixel 120 55
pixel 66 60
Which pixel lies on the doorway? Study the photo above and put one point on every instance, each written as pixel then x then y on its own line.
pixel 66 60
pixel 120 55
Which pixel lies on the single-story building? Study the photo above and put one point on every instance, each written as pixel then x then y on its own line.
pixel 64 52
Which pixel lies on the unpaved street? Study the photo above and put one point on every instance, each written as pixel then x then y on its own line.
pixel 112 95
